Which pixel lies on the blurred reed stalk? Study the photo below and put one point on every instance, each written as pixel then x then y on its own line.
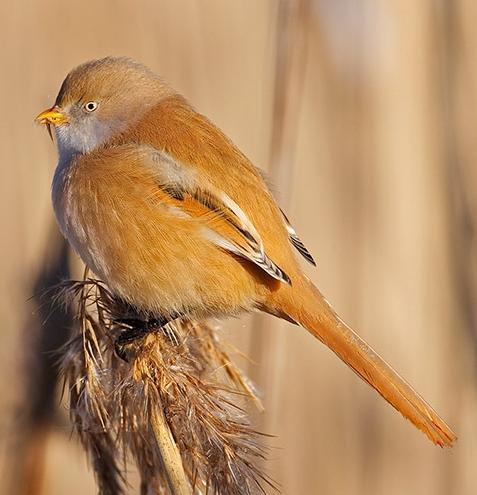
pixel 290 64
pixel 47 329
pixel 174 408
pixel 457 143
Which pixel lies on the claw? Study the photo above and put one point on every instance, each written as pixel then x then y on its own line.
pixel 137 329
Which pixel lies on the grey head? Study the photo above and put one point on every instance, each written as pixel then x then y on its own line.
pixel 100 99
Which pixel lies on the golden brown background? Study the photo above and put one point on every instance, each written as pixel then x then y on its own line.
pixel 364 113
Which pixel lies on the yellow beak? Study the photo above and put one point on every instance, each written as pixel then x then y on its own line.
pixel 53 116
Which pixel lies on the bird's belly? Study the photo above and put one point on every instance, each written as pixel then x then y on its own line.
pixel 155 260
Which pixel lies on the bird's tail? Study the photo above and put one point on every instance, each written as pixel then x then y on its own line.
pixel 314 313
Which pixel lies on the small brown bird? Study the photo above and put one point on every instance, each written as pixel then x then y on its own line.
pixel 167 211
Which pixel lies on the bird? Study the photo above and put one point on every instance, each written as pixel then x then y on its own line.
pixel 166 210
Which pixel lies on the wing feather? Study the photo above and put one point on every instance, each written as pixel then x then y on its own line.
pixel 225 223
pixel 296 241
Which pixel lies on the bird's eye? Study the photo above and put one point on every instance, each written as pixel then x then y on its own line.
pixel 91 106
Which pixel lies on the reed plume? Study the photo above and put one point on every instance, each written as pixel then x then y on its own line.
pixel 176 408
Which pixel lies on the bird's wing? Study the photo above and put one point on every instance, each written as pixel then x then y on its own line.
pixel 296 241
pixel 292 235
pixel 224 222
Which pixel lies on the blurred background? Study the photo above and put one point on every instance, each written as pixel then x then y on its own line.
pixel 364 114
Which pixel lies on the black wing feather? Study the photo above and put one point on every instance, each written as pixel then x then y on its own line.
pixel 297 243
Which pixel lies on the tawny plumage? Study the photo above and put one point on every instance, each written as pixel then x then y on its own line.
pixel 163 207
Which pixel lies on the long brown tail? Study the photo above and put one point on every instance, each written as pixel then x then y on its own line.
pixel 317 316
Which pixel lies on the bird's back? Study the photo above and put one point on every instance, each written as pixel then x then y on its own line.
pixel 175 127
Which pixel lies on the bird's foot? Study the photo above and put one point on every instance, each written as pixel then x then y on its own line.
pixel 137 330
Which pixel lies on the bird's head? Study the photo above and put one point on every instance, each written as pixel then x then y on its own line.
pixel 98 100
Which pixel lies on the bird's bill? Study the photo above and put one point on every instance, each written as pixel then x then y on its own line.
pixel 52 116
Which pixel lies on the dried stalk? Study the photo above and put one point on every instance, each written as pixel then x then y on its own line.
pixel 175 408
pixel 268 344
pixel 171 457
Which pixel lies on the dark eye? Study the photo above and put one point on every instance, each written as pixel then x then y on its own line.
pixel 91 106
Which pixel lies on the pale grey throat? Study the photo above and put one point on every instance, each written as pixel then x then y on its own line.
pixel 84 135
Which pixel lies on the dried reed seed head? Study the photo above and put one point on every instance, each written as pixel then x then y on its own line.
pixel 182 374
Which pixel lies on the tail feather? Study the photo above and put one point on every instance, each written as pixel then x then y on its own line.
pixel 320 320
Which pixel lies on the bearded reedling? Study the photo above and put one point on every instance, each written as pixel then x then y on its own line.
pixel 169 213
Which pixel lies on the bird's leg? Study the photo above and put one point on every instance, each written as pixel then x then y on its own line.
pixel 138 329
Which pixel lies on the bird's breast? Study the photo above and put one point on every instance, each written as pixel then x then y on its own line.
pixel 147 251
